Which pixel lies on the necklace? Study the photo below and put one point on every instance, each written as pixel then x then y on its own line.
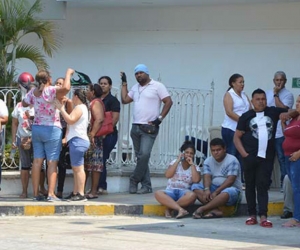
pixel 141 89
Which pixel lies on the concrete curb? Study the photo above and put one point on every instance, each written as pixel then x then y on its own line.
pixel 275 208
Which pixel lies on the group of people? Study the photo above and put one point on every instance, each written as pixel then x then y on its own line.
pixel 46 125
pixel 53 124
pixel 252 132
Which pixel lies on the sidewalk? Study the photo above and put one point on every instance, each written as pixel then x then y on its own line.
pixel 115 204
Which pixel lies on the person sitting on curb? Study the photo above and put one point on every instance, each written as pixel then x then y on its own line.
pixel 181 173
pixel 288 206
pixel 221 182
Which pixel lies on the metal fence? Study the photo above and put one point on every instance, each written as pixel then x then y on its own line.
pixel 189 118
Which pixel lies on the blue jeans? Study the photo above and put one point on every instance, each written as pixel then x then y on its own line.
pixel 233 192
pixel 280 156
pixel 46 141
pixel 142 143
pixel 293 171
pixel 227 136
pixel 109 143
pixel 176 194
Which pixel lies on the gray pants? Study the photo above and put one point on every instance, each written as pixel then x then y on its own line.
pixel 288 195
pixel 143 144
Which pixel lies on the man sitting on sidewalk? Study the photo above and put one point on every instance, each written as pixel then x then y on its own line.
pixel 288 207
pixel 221 182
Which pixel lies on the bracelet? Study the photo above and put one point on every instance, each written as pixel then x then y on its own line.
pixel 275 95
pixel 206 188
pixel 124 83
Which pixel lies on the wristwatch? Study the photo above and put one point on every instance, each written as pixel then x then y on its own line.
pixel 160 118
pixel 276 95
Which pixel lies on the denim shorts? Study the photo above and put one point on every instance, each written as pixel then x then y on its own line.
pixel 46 141
pixel 176 194
pixel 233 192
pixel 78 147
pixel 25 156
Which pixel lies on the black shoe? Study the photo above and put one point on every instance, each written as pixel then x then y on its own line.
pixel 286 215
pixel 69 196
pixel 78 197
pixel 144 190
pixel 132 187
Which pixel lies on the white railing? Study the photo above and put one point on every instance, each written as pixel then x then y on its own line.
pixel 9 96
pixel 190 116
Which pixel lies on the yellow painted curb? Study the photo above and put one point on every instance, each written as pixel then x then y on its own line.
pixel 154 210
pixel 99 210
pixel 228 210
pixel 275 208
pixel 39 210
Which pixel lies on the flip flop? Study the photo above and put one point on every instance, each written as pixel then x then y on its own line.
pixel 291 223
pixel 182 214
pixel 251 221
pixel 212 215
pixel 197 215
pixel 266 223
pixel 91 196
pixel 168 214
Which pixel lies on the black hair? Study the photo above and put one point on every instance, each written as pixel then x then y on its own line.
pixel 258 91
pixel 107 78
pixel 188 144
pixel 96 88
pixel 81 95
pixel 232 79
pixel 217 142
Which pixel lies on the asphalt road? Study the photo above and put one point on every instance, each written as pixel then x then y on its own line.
pixel 124 232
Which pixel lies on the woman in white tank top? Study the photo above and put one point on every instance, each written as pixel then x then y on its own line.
pixel 236 102
pixel 78 140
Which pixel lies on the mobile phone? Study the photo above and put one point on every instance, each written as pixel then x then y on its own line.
pixel 182 156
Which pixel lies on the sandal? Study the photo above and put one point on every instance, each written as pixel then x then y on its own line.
pixel 182 213
pixel 291 223
pixel 91 196
pixel 251 221
pixel 266 223
pixel 168 213
pixel 212 215
pixel 197 215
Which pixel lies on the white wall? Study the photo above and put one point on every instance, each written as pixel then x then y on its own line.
pixel 188 46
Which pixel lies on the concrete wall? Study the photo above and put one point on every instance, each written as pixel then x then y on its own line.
pixel 187 47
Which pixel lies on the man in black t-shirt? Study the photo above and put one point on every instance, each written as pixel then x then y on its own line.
pixel 254 139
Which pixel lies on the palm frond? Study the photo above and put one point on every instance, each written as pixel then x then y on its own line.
pixel 18 19
pixel 31 53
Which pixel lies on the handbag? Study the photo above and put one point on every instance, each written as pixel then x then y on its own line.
pixel 26 142
pixel 107 125
pixel 149 129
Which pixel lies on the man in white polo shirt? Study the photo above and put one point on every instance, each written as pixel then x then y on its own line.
pixel 3 121
pixel 280 97
pixel 147 96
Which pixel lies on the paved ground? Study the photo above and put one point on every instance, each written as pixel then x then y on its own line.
pixel 114 204
pixel 124 232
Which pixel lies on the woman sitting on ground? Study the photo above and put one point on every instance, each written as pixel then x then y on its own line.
pixel 181 173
